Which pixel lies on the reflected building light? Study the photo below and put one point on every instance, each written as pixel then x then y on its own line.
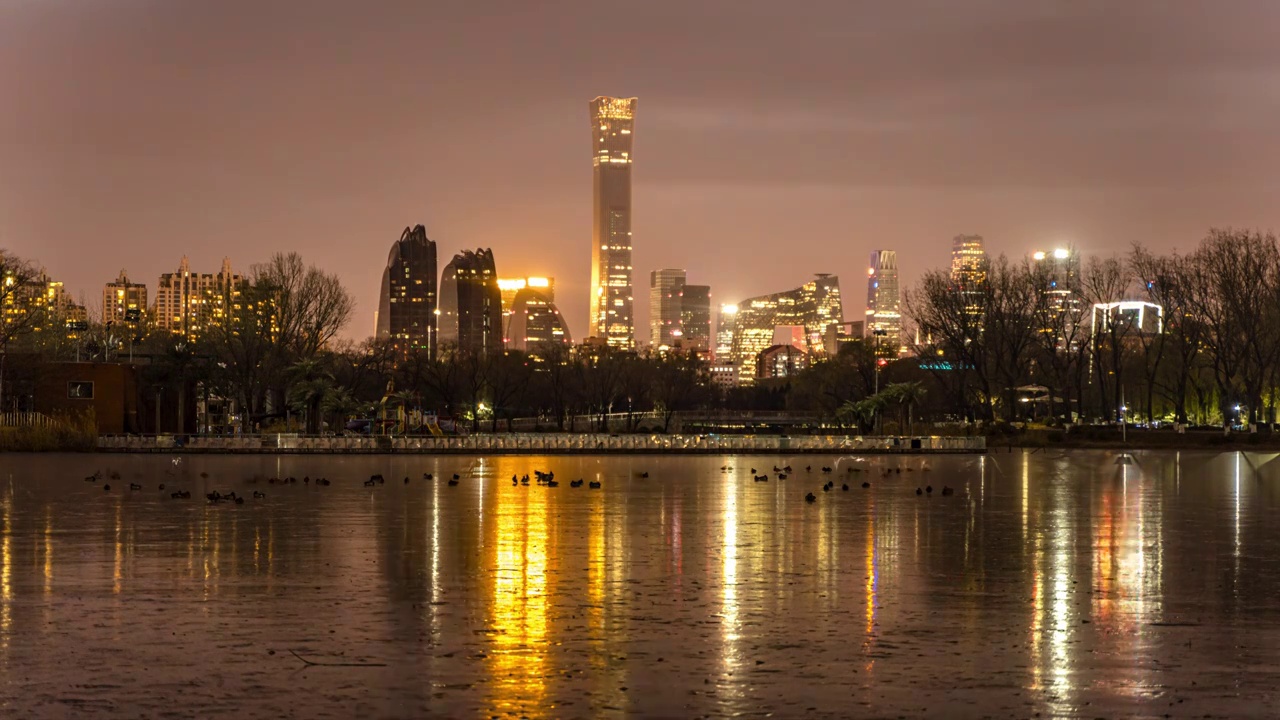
pixel 729 582
pixel 6 586
pixel 48 552
pixel 117 574
pixel 873 578
pixel 1236 518
pixel 517 657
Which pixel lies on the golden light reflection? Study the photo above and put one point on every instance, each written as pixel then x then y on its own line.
pixel 48 552
pixel 6 569
pixel 117 574
pixel 873 576
pixel 596 566
pixel 518 655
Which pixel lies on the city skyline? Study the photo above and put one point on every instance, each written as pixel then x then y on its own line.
pixel 726 162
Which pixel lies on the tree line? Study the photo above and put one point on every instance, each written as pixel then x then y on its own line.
pixel 1212 356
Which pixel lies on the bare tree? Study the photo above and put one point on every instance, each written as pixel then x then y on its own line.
pixel 951 319
pixel 1105 282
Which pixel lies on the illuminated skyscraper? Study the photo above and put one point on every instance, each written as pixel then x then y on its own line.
pixel 407 305
pixel 471 304
pixel 814 306
pixel 124 302
pixel 968 260
pixel 665 290
pixel 611 317
pixel 884 304
pixel 969 270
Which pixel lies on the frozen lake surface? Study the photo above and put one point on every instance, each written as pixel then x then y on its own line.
pixel 1048 584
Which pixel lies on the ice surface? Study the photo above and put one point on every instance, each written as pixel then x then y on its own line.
pixel 1057 585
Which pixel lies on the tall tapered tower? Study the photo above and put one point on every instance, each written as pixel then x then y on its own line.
pixel 612 300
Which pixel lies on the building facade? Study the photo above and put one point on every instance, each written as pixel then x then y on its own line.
pixel 408 301
pixel 535 322
pixel 666 288
pixel 780 361
pixel 884 304
pixel 612 303
pixel 695 319
pixel 725 320
pixel 509 289
pixel 814 306
pixel 39 304
pixel 471 304
pixel 124 303
pixel 189 304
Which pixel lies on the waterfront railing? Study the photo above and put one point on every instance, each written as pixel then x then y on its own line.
pixel 553 443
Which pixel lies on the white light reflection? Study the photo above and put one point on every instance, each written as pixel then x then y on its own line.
pixel 1026 482
pixel 435 559
pixel 730 623
pixel 1236 517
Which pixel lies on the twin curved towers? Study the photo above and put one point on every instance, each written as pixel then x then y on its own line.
pixel 463 310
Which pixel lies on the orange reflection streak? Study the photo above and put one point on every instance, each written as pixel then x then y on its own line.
pixel 518 658
pixel 48 552
pixel 873 577
pixel 117 571
pixel 596 577
pixel 6 588
pixel 1103 561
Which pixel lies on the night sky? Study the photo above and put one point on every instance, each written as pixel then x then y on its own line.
pixel 773 140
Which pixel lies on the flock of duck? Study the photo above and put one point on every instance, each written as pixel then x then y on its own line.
pixel 542 479
pixel 783 472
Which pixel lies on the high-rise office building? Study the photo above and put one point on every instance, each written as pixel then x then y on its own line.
pixel 471 304
pixel 1061 268
pixel 665 290
pixel 814 306
pixel 968 260
pixel 535 322
pixel 725 321
pixel 695 318
pixel 408 302
pixel 969 270
pixel 189 304
pixel 124 303
pixel 884 304
pixel 612 314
